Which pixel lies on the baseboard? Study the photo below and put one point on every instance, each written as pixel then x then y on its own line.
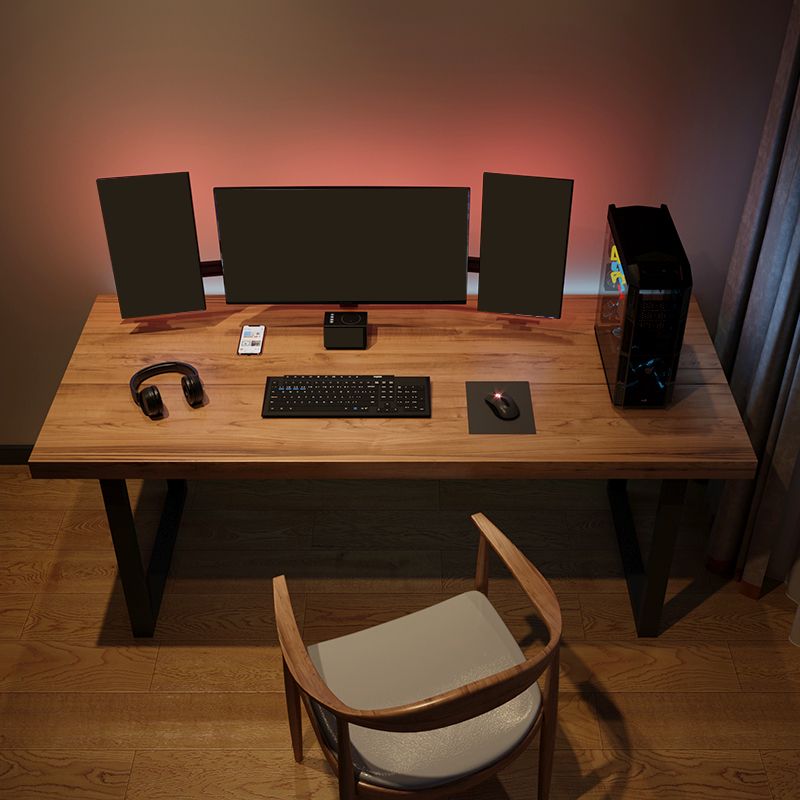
pixel 15 453
pixel 750 590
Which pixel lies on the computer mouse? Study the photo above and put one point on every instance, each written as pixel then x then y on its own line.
pixel 503 406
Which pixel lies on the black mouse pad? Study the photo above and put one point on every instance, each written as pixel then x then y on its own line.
pixel 483 420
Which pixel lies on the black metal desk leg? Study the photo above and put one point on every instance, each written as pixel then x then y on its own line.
pixel 647 586
pixel 143 588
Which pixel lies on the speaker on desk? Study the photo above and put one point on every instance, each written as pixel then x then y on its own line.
pixel 524 234
pixel 152 241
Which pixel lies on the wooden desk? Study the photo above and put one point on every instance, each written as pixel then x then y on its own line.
pixel 93 429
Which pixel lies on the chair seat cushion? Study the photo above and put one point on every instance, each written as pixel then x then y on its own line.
pixel 422 654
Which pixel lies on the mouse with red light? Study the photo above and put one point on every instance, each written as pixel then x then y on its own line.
pixel 503 405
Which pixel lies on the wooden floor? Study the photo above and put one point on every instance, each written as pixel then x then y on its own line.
pixel 711 709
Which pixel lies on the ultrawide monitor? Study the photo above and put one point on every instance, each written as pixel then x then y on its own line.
pixel 343 244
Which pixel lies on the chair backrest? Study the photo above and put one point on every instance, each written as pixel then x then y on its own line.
pixel 455 705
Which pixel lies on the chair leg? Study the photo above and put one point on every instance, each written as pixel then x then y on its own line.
pixel 347 786
pixel 547 736
pixel 293 712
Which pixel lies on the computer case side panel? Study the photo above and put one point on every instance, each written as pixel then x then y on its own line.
pixel 645 287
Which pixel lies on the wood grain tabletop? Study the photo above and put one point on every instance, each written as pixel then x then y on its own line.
pixel 94 430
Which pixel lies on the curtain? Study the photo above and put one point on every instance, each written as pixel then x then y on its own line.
pixel 757 525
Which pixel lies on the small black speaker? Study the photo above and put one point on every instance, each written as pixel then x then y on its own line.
pixel 345 330
pixel 152 241
pixel 524 234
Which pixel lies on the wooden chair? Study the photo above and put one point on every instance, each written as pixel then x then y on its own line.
pixel 433 702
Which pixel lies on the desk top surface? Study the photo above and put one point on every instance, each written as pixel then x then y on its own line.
pixel 93 429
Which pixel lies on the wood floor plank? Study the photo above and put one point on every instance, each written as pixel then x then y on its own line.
pixel 35 666
pixel 211 618
pixel 218 618
pixel 245 774
pixel 79 617
pixel 87 529
pixel 329 615
pixel 241 529
pixel 29 528
pixel 634 775
pixel 783 773
pixel 211 529
pixel 588 571
pixel 19 491
pixel 395 529
pixel 486 496
pixel 596 571
pixel 269 495
pixel 767 666
pixel 23 571
pixel 397 495
pixel 647 666
pixel 640 775
pixel 693 617
pixel 342 570
pixel 117 720
pixel 453 529
pixel 261 496
pixel 14 610
pixel 701 720
pixel 81 571
pixel 578 723
pixel 227 668
pixel 87 774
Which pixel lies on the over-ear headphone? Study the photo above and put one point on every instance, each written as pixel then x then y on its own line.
pixel 149 399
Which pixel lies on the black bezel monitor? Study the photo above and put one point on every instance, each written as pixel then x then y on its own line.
pixel 343 244
pixel 524 238
pixel 152 243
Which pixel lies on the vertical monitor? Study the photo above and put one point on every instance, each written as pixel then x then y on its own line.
pixel 524 234
pixel 152 241
pixel 343 244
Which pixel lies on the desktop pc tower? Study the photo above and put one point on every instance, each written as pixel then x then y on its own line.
pixel 645 286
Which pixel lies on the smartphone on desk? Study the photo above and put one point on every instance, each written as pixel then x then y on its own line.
pixel 251 340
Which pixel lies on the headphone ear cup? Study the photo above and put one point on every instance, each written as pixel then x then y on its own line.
pixel 150 401
pixel 192 390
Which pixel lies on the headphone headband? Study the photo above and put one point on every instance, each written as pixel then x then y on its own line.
pixel 159 369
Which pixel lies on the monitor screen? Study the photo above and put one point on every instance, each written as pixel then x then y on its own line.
pixel 152 241
pixel 343 244
pixel 524 236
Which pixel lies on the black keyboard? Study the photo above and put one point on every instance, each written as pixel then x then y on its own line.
pixel 346 396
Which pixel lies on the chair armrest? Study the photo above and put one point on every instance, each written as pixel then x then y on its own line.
pixel 295 654
pixel 530 580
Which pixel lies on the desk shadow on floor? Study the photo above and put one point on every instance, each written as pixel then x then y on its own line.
pixel 348 540
pixel 359 553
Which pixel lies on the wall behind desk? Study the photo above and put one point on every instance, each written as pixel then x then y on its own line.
pixel 639 102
